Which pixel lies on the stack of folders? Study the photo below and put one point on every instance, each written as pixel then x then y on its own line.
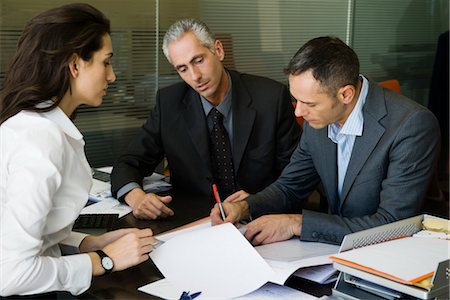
pixel 405 265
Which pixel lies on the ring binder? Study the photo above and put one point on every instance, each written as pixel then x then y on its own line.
pixel 349 289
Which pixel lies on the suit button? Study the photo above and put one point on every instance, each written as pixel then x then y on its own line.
pixel 315 235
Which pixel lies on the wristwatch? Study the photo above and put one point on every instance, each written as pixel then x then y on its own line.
pixel 107 262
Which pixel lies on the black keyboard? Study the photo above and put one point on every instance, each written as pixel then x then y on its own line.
pixel 106 221
pixel 102 176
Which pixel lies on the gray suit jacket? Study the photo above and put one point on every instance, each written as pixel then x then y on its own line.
pixel 387 178
pixel 265 133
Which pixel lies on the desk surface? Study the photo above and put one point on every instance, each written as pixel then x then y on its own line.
pixel 187 208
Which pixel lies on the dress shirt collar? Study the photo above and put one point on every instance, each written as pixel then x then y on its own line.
pixel 62 120
pixel 225 106
pixel 355 122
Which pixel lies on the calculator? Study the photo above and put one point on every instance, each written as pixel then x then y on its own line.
pixel 106 221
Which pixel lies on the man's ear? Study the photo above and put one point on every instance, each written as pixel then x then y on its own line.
pixel 347 93
pixel 218 48
pixel 74 65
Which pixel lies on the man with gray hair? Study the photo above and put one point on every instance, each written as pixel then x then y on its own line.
pixel 217 126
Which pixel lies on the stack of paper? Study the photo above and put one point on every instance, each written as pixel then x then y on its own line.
pixel 163 289
pixel 213 259
pixel 101 190
pixel 106 204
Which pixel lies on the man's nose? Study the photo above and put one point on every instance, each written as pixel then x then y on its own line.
pixel 196 75
pixel 300 109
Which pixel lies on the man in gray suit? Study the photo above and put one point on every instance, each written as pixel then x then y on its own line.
pixel 373 150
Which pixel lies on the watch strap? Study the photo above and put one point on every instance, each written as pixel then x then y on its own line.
pixel 103 255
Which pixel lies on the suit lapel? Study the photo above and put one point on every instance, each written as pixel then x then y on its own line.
pixel 374 109
pixel 327 151
pixel 243 118
pixel 195 120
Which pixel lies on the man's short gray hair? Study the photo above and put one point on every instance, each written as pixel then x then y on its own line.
pixel 179 28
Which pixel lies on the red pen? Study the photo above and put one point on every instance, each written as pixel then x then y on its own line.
pixel 219 202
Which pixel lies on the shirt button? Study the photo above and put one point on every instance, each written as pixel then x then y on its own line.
pixel 315 235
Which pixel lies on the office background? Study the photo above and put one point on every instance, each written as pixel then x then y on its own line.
pixel 394 39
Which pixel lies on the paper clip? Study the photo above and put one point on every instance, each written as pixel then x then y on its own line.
pixel 188 296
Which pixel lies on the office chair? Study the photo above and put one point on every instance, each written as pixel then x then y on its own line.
pixel 299 119
pixel 437 201
pixel 392 84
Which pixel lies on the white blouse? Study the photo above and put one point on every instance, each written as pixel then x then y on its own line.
pixel 44 183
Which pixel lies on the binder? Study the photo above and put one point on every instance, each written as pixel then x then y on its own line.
pixel 354 283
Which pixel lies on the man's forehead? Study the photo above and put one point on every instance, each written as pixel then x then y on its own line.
pixel 185 55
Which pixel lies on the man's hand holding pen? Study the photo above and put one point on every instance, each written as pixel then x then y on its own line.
pixel 234 208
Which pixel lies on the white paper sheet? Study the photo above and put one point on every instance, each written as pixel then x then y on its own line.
pixel 101 190
pixel 167 236
pixel 303 253
pixel 107 206
pixel 107 169
pixel 271 291
pixel 320 274
pixel 155 184
pixel 208 260
pixel 163 289
pixel 283 270
pixel 294 249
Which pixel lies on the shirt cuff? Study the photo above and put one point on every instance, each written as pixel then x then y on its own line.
pixel 126 189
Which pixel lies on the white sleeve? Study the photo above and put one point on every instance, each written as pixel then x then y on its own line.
pixel 74 239
pixel 32 178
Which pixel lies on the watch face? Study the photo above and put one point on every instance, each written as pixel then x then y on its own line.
pixel 107 263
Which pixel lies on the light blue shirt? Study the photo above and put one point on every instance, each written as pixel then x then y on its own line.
pixel 345 136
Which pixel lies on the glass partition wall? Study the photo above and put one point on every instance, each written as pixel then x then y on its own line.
pixel 394 40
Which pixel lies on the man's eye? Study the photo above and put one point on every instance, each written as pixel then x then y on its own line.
pixel 199 61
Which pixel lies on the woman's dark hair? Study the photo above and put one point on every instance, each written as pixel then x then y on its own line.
pixel 39 70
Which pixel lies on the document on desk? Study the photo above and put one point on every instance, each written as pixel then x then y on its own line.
pixel 163 289
pixel 212 260
pixel 288 256
pixel 107 206
pixel 406 260
pixel 101 189
pixel 284 256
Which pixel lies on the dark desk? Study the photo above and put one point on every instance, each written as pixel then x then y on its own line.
pixel 187 208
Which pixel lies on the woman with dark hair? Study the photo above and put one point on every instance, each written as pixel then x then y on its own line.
pixel 63 60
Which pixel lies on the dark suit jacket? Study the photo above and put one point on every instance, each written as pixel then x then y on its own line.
pixel 265 134
pixel 387 177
